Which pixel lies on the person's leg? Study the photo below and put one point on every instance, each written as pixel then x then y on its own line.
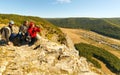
pixel 22 38
pixel 38 37
pixel 12 36
pixel 16 39
pixel 33 40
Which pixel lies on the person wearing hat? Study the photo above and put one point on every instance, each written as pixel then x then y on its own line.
pixel 6 32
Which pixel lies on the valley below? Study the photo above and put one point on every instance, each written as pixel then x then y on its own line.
pixel 89 37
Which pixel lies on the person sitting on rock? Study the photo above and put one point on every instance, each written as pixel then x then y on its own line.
pixel 23 28
pixel 20 39
pixel 23 31
pixel 7 33
pixel 32 31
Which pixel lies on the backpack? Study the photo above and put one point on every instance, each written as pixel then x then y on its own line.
pixel 28 38
pixel 3 32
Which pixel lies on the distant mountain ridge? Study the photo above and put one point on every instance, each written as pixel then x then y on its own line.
pixel 105 26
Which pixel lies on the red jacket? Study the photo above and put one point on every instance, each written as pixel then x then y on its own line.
pixel 33 31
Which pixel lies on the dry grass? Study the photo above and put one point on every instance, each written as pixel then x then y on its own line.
pixel 1 25
pixel 104 68
pixel 80 35
pixel 72 33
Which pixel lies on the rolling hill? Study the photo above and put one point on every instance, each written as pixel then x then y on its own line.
pixel 105 26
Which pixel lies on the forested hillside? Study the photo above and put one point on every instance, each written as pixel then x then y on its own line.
pixel 105 26
pixel 47 29
pixel 90 51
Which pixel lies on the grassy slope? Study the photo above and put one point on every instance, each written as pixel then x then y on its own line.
pixel 89 51
pixel 114 21
pixel 105 26
pixel 47 29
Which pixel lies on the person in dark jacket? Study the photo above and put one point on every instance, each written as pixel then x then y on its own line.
pixel 23 31
pixel 32 31
pixel 20 38
pixel 7 32
pixel 23 28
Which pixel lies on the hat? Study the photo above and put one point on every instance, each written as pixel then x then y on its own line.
pixel 11 22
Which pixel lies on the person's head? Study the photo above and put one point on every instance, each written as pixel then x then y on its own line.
pixel 25 23
pixel 31 24
pixel 11 23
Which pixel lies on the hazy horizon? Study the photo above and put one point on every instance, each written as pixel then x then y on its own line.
pixel 55 17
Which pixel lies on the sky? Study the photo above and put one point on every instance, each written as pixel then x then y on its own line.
pixel 62 8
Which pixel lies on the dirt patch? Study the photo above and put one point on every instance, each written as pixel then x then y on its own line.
pixel 72 33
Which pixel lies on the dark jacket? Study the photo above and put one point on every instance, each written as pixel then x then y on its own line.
pixel 23 29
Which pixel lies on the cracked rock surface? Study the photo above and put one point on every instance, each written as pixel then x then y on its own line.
pixel 49 59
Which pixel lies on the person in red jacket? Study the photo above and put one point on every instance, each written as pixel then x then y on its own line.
pixel 32 32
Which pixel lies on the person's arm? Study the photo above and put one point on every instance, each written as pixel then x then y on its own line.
pixel 21 29
pixel 7 35
pixel 1 30
pixel 30 31
pixel 37 29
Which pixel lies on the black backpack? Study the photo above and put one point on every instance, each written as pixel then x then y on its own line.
pixel 28 38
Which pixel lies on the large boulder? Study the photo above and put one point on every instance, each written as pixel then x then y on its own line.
pixel 49 58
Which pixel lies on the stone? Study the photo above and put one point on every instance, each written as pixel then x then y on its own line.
pixel 50 59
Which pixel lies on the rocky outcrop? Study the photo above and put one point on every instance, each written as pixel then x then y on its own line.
pixel 49 58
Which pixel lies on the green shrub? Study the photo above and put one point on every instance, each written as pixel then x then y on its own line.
pixel 89 51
